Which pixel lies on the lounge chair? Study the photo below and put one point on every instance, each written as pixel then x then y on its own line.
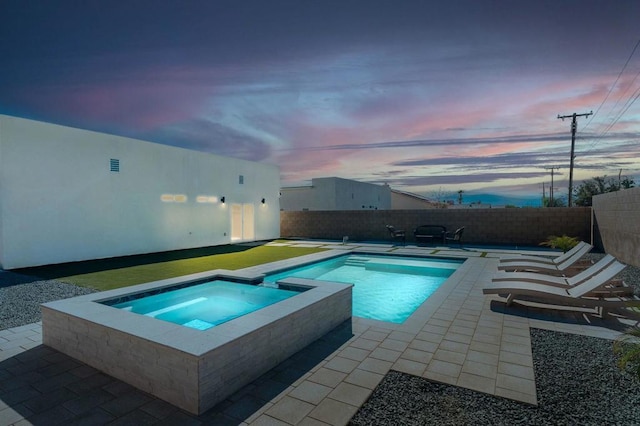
pixel 593 292
pixel 536 266
pixel 581 247
pixel 397 234
pixel 558 281
pixel 456 237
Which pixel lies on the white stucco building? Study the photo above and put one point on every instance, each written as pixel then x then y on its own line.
pixel 69 195
pixel 333 193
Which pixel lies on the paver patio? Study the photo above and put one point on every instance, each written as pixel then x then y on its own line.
pixel 458 336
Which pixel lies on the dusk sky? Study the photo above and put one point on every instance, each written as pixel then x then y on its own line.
pixel 430 97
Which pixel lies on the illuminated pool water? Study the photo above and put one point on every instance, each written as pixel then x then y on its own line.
pixel 205 305
pixel 386 288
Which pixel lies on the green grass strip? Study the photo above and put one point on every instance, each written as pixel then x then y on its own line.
pixel 108 274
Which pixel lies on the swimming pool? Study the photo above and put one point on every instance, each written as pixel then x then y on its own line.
pixel 204 305
pixel 386 288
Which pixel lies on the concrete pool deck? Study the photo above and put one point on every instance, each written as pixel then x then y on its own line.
pixel 458 336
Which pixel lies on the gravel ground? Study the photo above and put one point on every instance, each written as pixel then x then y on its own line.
pixel 21 296
pixel 577 383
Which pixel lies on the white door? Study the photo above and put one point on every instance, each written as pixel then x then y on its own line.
pixel 242 222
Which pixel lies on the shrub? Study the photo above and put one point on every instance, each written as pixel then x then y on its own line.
pixel 563 243
pixel 627 347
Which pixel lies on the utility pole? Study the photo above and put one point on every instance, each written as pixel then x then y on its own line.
pixel 574 127
pixel 551 203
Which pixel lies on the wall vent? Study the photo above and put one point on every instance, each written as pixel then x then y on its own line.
pixel 241 180
pixel 114 165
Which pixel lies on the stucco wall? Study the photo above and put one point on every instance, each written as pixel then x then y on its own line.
pixel 336 194
pixel 523 226
pixel 617 216
pixel 61 202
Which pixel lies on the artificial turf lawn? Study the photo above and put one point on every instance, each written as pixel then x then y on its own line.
pixel 115 273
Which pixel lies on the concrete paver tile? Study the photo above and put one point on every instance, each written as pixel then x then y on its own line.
pixel 9 416
pixel 350 393
pixel 333 412
pixel 483 357
pixel 375 365
pixel 516 348
pixel 480 369
pixel 517 384
pixel 477 383
pixel 375 335
pixel 453 346
pixel 159 408
pixel 327 377
pixel 410 367
pixel 416 355
pixel 449 356
pixel 355 354
pixel 385 354
pixel 366 344
pixel 290 410
pixel 444 368
pixel 425 346
pixel 394 345
pixel 310 421
pixel 401 336
pixel 428 336
pixel 489 348
pixel 516 370
pixel 311 392
pixel 264 420
pixel 341 364
pixel 363 378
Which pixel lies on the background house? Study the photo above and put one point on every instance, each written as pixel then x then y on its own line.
pixel 333 193
pixel 68 195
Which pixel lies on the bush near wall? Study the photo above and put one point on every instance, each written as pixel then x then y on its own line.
pixel 515 226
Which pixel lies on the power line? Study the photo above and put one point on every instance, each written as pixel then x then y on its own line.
pixel 613 85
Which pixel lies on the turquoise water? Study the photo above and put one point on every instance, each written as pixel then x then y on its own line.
pixel 386 288
pixel 206 305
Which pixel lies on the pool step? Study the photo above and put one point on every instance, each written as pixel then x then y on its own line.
pixel 356 261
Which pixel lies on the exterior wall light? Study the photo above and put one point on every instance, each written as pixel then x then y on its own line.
pixel 263 201
pixel 222 200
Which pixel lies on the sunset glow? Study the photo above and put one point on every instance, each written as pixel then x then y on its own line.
pixel 427 96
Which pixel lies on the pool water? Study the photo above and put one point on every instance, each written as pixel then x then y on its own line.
pixel 206 305
pixel 386 288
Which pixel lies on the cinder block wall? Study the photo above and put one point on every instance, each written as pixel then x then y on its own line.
pixel 511 226
pixel 617 216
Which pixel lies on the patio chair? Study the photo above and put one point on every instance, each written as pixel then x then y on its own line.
pixel 557 281
pixel 581 247
pixel 593 292
pixel 456 237
pixel 397 234
pixel 537 266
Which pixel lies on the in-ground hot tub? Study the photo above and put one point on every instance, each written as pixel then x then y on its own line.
pixel 187 366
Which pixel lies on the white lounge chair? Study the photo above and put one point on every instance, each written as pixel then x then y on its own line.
pixel 558 281
pixel 581 247
pixel 545 267
pixel 590 293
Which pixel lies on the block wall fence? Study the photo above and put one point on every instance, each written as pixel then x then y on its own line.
pixel 617 216
pixel 508 226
